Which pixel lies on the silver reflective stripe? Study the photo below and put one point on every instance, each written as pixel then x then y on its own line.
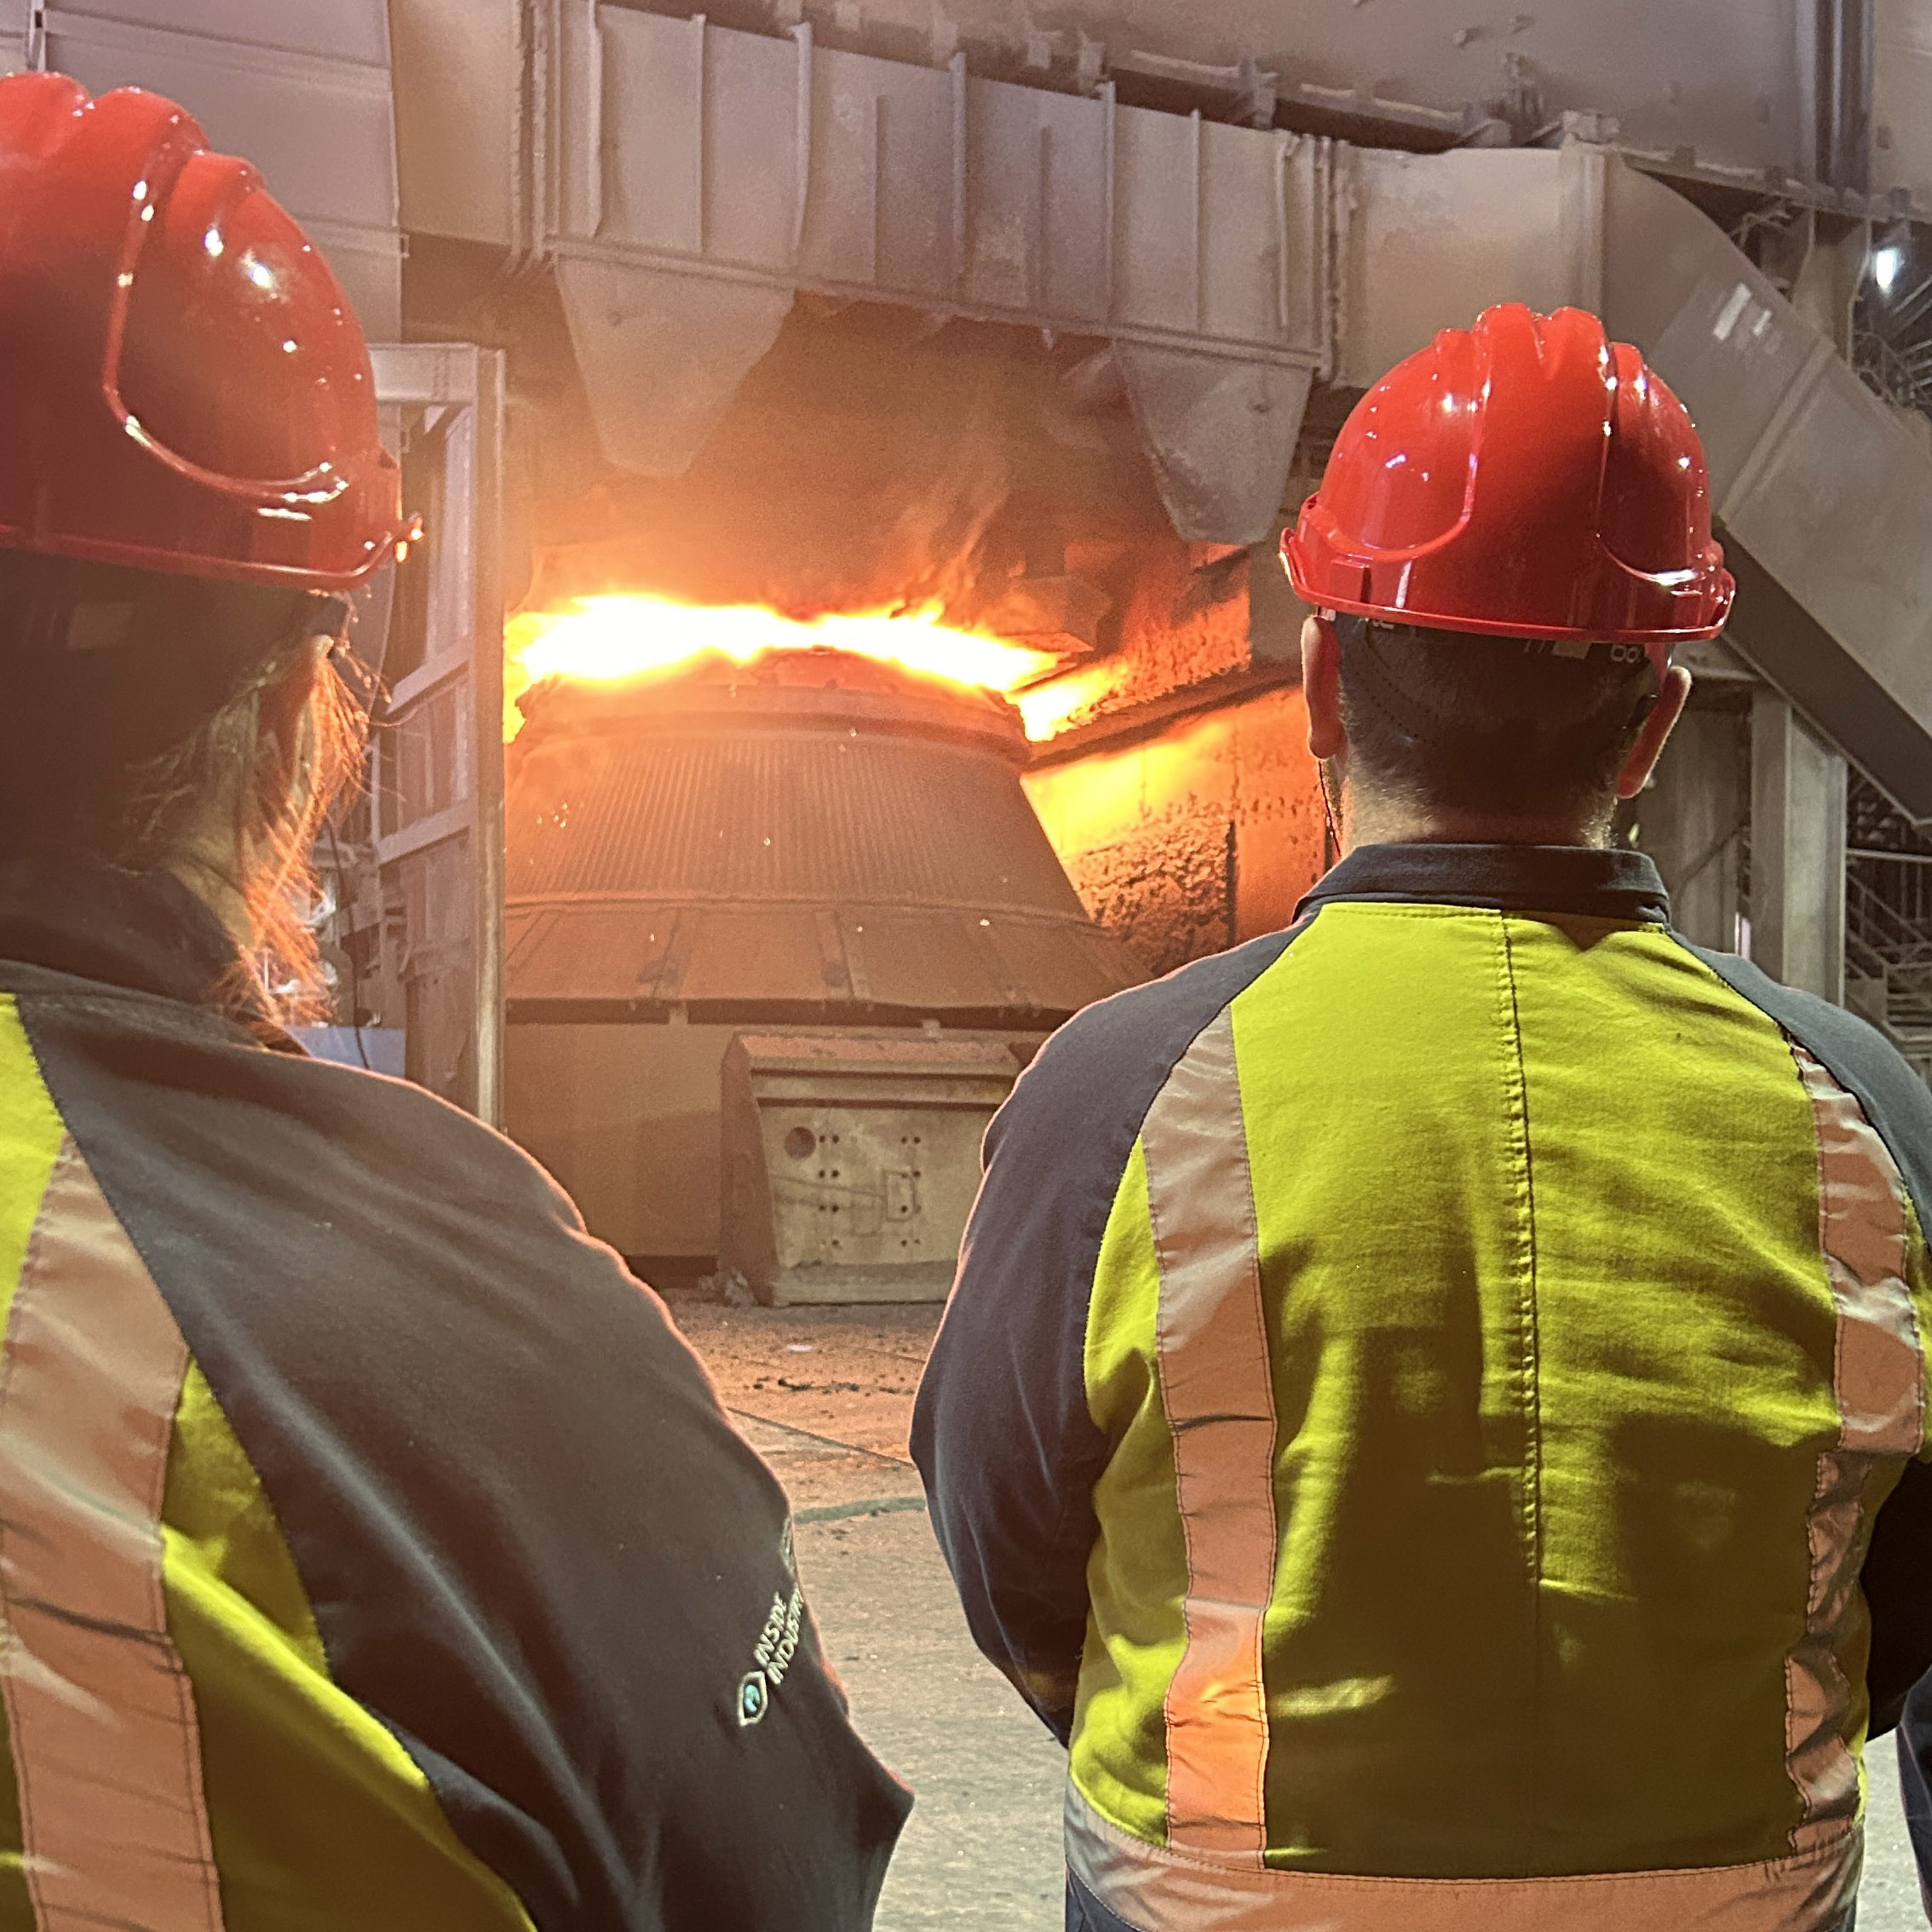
pixel 1878 1382
pixel 99 1711
pixel 1156 1890
pixel 1217 1388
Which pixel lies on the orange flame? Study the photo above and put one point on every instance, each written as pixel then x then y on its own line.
pixel 638 634
pixel 1057 703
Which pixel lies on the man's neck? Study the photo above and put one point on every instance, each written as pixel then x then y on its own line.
pixel 1371 820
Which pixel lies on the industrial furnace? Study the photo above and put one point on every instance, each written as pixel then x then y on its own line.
pixel 815 843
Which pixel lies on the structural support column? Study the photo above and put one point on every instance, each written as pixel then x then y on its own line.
pixel 1797 851
pixel 1692 820
pixel 439 831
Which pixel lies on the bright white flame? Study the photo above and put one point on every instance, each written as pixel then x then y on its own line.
pixel 609 639
pixel 1886 263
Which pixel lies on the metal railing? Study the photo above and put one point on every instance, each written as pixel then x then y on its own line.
pixel 1889 965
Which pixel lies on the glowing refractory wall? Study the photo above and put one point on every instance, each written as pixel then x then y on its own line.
pixel 1195 838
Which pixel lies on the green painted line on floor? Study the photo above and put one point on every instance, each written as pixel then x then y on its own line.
pixel 873 1506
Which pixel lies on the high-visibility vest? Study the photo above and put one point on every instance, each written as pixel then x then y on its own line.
pixel 1415 1404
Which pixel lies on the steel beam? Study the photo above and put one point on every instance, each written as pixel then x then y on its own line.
pixel 1797 851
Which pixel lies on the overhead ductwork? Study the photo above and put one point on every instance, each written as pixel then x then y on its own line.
pixel 694 177
pixel 662 354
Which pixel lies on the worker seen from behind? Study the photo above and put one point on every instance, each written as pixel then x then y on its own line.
pixel 1433 1409
pixel 374 1557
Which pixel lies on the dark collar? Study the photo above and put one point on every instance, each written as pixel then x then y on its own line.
pixel 142 931
pixel 1511 878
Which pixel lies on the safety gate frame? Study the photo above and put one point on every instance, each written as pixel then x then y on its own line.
pixel 421 879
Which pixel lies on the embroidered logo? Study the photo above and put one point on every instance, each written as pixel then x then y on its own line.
pixel 777 1645
pixel 754 1697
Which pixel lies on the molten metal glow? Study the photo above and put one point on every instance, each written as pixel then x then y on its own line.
pixel 607 639
pixel 1049 708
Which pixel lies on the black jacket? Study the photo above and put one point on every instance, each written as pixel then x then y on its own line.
pixel 536 1549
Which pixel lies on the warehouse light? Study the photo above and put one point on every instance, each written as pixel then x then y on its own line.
pixel 1888 256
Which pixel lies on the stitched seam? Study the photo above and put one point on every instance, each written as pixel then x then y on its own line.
pixel 1529 1366
pixel 1274 1451
pixel 180 1688
pixel 1812 1553
pixel 1428 909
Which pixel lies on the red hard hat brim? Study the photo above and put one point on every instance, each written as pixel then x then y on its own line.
pixel 1722 593
pixel 406 533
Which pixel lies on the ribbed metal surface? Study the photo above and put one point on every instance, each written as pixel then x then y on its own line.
pixel 783 816
pixel 788 844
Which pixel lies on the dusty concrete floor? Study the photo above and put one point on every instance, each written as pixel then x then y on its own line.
pixel 1888 1900
pixel 826 1395
pixel 983 1850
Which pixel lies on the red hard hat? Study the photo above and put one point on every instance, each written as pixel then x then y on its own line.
pixel 1526 478
pixel 183 384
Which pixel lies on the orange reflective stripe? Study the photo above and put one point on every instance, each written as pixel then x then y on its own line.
pixel 1878 1381
pixel 1217 1388
pixel 100 1714
pixel 1167 1890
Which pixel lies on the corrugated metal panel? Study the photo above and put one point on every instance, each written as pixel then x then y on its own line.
pixel 459 91
pixel 778 816
pixel 1720 76
pixel 711 845
pixel 696 144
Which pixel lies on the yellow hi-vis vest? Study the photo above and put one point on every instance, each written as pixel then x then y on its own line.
pixel 1415 1404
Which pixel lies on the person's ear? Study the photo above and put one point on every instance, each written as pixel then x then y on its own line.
pixel 1672 695
pixel 1322 686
